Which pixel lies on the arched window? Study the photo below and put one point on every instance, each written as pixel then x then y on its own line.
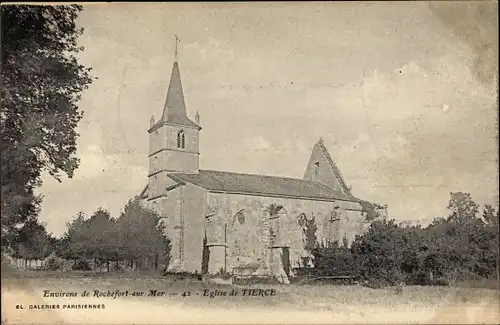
pixel 240 216
pixel 181 140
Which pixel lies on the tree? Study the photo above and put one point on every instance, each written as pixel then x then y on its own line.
pixel 205 256
pixel 101 239
pixel 373 211
pixel 35 243
pixel 334 260
pixel 492 219
pixel 142 234
pixel 73 244
pixel 310 229
pixel 462 206
pixel 380 251
pixel 42 83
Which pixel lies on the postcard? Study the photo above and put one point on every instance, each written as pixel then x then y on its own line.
pixel 250 163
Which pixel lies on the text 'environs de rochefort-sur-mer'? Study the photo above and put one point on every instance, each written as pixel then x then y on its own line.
pixel 113 294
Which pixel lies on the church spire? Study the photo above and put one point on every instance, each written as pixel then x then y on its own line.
pixel 177 40
pixel 174 110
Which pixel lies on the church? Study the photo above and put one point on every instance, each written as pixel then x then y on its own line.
pixel 234 222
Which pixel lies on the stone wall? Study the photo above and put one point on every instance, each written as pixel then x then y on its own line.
pixel 182 211
pixel 254 239
pixel 166 156
pixel 193 226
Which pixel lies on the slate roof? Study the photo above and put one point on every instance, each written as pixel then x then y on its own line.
pixel 174 110
pixel 221 181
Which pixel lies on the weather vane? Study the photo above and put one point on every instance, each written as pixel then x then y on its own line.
pixel 177 40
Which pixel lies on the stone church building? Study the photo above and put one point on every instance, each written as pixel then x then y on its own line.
pixel 234 222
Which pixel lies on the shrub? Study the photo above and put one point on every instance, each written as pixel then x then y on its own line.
pixel 81 265
pixel 418 278
pixel 53 264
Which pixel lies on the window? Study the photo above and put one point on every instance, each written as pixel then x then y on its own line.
pixel 240 216
pixel 181 140
pixel 316 170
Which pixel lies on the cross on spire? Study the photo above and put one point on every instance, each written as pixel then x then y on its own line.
pixel 177 40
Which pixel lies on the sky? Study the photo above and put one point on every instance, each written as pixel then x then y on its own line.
pixel 402 94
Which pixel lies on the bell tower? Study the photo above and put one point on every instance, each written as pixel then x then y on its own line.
pixel 173 139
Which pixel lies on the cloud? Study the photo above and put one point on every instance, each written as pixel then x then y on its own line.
pixel 424 129
pixel 475 23
pixel 212 50
pixel 257 143
pixel 94 162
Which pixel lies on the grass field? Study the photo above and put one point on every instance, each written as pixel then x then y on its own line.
pixel 290 304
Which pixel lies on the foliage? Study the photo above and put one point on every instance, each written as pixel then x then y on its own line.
pixel 333 259
pixel 81 265
pixel 310 229
pixel 205 256
pixel 141 233
pixel 285 260
pixel 53 263
pixel 273 209
pixel 72 244
pixel 34 242
pixel 461 247
pixel 137 235
pixel 373 211
pixel 42 83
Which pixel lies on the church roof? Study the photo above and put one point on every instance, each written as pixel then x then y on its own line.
pixel 220 181
pixel 174 110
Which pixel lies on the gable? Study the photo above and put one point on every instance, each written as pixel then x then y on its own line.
pixel 321 168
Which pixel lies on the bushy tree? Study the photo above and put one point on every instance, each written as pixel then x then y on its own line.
pixel 137 235
pixel 142 234
pixel 73 243
pixel 34 242
pixel 334 260
pixel 373 211
pixel 100 236
pixel 42 83
pixel 462 246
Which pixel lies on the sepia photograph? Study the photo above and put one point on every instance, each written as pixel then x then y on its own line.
pixel 250 163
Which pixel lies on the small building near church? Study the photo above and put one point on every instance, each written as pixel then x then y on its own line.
pixel 234 222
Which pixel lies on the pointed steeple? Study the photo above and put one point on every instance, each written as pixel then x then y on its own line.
pixel 175 107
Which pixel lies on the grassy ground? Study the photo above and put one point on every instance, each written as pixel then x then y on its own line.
pixel 291 304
